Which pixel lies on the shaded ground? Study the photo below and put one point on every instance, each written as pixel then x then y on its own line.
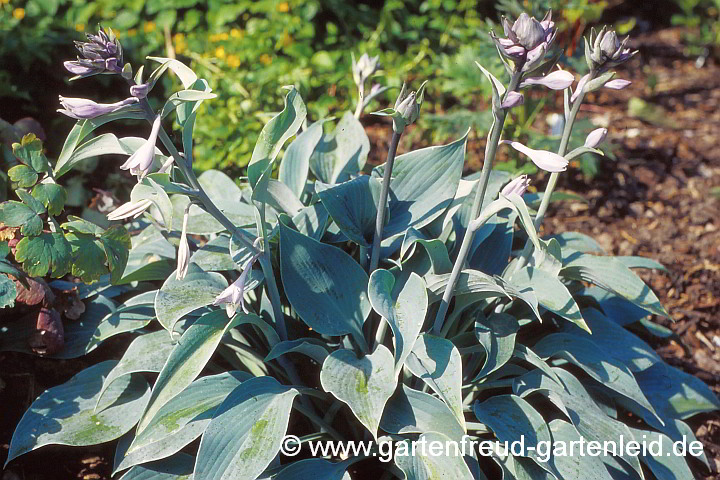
pixel 655 201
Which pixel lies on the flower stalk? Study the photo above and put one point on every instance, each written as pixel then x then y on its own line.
pixel 490 150
pixel 380 219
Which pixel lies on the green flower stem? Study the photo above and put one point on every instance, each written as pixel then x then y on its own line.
pixel 380 219
pixel 490 150
pixel 361 101
pixel 552 182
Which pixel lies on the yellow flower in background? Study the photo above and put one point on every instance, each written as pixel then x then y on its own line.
pixel 3 2
pixel 132 32
pixel 233 61
pixel 237 33
pixel 149 27
pixel 19 13
pixel 80 27
pixel 283 7
pixel 265 59
pixel 220 52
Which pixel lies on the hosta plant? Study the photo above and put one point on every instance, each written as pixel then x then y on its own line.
pixel 260 306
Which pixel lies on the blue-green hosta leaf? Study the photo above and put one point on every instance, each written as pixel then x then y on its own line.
pixel 281 198
pixel 341 153
pixel 310 347
pixel 147 353
pixel 616 308
pixel 177 467
pixel 295 163
pixel 184 96
pixel 437 362
pixel 570 396
pixel 570 466
pixel 641 262
pixel 424 465
pixel 423 185
pixel 411 411
pixel 571 242
pixel 259 411
pixel 626 346
pixel 402 306
pixel 162 211
pixel 598 363
pixel 317 469
pixel 66 415
pixel 497 336
pixel 187 360
pixel 510 418
pixel 326 287
pixel 184 418
pixel 675 394
pixel 274 134
pixel 666 465
pixel 614 276
pixel 214 256
pixel 492 253
pixel 551 293
pixel 435 249
pixel 177 298
pixel 470 282
pixel 353 207
pixel 365 384
pixel 312 220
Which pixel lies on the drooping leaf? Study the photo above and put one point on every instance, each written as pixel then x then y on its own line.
pixel 183 72
pixel 402 306
pixel 295 164
pixel 435 248
pixel 437 362
pixel 365 384
pixel 307 346
pixel 325 286
pixel 259 411
pixel 66 414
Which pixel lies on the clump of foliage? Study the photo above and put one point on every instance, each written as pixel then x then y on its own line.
pixel 270 301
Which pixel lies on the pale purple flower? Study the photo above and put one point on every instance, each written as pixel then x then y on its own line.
pixel 548 161
pixel 527 38
pixel 183 257
pixel 81 108
pixel 129 209
pixel 617 84
pixel 517 186
pixel 557 80
pixel 606 51
pixel 140 162
pixel 596 137
pixel 513 100
pixel 232 296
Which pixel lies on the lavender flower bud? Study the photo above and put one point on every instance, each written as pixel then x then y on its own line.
pixel 81 108
pixel 407 107
pixel 606 51
pixel 129 209
pixel 183 256
pixel 617 84
pixel 596 137
pixel 232 296
pixel 102 53
pixel 517 186
pixel 141 161
pixel 140 91
pixel 513 100
pixel 526 35
pixel 364 68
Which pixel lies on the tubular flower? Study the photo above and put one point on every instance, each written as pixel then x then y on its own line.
pixel 232 296
pixel 81 108
pixel 513 100
pixel 140 162
pixel 129 209
pixel 517 186
pixel 548 161
pixel 527 38
pixel 101 54
pixel 364 68
pixel 557 80
pixel 605 50
pixel 183 257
